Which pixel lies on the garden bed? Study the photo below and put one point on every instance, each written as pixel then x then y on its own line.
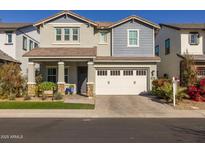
pixel 43 105
pixel 190 105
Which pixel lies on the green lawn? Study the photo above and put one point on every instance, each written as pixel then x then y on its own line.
pixel 43 105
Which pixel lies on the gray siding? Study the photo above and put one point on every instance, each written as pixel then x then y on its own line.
pixel 120 47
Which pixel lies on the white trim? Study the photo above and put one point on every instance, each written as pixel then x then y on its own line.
pixel 60 82
pixel 90 83
pixel 70 41
pixel 65 24
pixel 64 13
pixel 138 36
pixel 31 63
pixel 136 18
pixel 90 63
pixel 31 83
pixel 60 63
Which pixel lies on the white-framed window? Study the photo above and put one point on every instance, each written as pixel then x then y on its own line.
pixel 115 72
pixel 133 37
pixel 103 37
pixel 9 39
pixel 66 34
pixel 30 44
pixel 66 76
pixel 58 34
pixel 128 72
pixel 75 32
pixel 52 74
pixel 24 43
pixel 102 72
pixel 194 38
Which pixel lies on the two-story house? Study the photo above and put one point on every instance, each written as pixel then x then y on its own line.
pixel 100 58
pixel 173 41
pixel 16 39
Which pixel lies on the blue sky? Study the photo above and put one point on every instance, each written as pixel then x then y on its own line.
pixel 155 16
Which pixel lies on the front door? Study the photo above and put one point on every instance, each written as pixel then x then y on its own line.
pixel 82 79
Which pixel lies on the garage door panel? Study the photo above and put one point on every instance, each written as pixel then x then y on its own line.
pixel 127 82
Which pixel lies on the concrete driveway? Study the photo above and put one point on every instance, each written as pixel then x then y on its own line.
pixel 130 105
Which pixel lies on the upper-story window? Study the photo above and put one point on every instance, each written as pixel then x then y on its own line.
pixel 67 34
pixel 167 46
pixel 58 34
pixel 9 38
pixel 24 43
pixel 194 38
pixel 102 38
pixel 75 34
pixel 133 37
pixel 157 50
pixel 31 45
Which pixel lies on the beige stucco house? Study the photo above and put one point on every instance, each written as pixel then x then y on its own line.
pixel 173 41
pixel 16 39
pixel 99 58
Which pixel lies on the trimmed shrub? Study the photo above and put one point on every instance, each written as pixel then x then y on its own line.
pixel 163 88
pixel 47 86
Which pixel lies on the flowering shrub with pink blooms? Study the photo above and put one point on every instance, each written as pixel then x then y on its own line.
pixel 197 92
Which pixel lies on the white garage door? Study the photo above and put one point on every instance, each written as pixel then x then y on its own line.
pixel 121 81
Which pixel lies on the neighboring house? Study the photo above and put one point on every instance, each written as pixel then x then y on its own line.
pixel 99 58
pixel 16 39
pixel 173 41
pixel 4 58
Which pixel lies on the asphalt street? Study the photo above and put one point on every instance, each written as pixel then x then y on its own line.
pixel 98 130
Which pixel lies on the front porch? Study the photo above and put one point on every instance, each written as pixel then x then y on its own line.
pixel 64 66
pixel 64 72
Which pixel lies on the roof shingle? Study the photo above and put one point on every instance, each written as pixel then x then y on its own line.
pixel 186 26
pixel 14 25
pixel 6 57
pixel 62 52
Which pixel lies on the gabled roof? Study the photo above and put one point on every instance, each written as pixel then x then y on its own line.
pixel 97 24
pixel 65 13
pixel 185 26
pixel 133 17
pixel 14 26
pixel 6 57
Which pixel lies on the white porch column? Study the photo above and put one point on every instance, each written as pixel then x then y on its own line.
pixel 91 79
pixel 31 79
pixel 61 81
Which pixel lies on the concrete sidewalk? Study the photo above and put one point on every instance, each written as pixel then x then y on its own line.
pixel 96 114
pixel 110 107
